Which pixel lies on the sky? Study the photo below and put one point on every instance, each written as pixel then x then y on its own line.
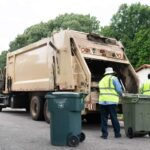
pixel 17 15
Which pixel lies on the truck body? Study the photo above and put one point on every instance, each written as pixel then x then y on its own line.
pixel 66 61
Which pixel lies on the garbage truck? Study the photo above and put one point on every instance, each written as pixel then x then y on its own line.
pixel 67 61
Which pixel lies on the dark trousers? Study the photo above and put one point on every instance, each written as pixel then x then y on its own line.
pixel 107 110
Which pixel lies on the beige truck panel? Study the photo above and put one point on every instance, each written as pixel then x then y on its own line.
pixel 30 68
pixel 71 71
pixel 64 71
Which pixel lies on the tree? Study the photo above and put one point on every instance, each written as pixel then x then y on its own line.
pixel 85 23
pixel 128 23
pixel 78 22
pixel 3 59
pixel 30 35
pixel 141 47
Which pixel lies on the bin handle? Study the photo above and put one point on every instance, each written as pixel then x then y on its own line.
pixel 135 100
pixel 83 97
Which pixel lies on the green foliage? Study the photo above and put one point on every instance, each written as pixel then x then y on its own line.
pixel 78 22
pixel 30 35
pixel 85 23
pixel 20 41
pixel 3 59
pixel 131 25
pixel 141 47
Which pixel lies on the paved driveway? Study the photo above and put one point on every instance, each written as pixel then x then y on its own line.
pixel 19 132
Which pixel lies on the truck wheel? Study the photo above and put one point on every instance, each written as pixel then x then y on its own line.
pixel 46 112
pixel 36 108
pixel 0 109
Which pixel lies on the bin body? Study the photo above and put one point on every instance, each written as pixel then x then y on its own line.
pixel 65 109
pixel 136 111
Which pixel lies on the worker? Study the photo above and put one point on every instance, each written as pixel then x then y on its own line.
pixel 145 89
pixel 109 91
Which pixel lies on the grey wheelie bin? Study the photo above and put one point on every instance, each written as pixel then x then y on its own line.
pixel 65 122
pixel 136 111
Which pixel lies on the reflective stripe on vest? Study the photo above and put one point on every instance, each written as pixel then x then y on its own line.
pixel 146 88
pixel 107 90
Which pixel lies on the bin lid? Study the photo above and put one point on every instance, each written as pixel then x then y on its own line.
pixel 65 94
pixel 131 95
pixel 134 98
pixel 72 93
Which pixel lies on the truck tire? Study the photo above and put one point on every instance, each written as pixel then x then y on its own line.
pixel 46 112
pixel 36 108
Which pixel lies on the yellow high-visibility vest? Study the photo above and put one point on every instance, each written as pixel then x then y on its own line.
pixel 107 90
pixel 146 88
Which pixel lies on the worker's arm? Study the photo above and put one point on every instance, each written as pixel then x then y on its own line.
pixel 117 85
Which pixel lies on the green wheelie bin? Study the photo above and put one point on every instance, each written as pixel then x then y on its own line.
pixel 65 121
pixel 136 112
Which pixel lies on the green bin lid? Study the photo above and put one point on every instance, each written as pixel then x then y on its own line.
pixel 134 98
pixel 131 95
pixel 65 94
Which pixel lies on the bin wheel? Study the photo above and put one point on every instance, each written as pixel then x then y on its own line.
pixel 73 140
pixel 82 137
pixel 130 133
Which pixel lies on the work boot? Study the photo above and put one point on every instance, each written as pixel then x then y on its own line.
pixel 118 135
pixel 103 137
